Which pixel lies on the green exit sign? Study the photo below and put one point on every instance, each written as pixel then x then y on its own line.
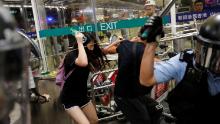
pixel 131 23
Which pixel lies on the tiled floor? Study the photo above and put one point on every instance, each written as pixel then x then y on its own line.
pixel 51 113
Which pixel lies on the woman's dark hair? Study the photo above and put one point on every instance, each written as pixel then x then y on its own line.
pixel 95 56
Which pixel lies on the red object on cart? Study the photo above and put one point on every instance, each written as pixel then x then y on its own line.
pixel 107 98
pixel 160 89
pixel 98 79
pixel 112 76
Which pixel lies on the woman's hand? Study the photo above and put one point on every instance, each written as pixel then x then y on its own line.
pixel 81 60
pixel 79 37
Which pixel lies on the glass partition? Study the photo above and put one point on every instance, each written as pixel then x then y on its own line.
pixel 115 11
pixel 108 14
pixel 107 18
pixel 116 18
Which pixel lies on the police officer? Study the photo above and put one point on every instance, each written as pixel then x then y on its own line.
pixel 196 97
pixel 13 80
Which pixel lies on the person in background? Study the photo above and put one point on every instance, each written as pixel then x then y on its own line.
pixel 124 32
pixel 74 93
pixel 65 43
pixel 35 96
pixel 198 6
pixel 150 8
pixel 196 98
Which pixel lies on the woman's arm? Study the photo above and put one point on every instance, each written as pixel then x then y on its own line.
pixel 81 60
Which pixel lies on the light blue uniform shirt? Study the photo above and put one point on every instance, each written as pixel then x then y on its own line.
pixel 165 71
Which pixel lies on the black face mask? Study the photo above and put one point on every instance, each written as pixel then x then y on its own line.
pixel 208 56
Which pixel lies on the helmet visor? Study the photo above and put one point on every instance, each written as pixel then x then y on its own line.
pixel 208 56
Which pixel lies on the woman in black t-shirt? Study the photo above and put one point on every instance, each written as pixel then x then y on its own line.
pixel 74 93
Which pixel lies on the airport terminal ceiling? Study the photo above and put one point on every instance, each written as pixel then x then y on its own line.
pixel 99 3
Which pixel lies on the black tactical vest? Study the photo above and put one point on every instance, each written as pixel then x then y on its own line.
pixel 187 99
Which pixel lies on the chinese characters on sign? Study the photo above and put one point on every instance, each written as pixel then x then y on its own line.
pixel 189 16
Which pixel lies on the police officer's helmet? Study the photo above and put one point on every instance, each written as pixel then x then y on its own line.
pixel 208 45
pixel 13 59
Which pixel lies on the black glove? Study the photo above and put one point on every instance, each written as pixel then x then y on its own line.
pixel 152 29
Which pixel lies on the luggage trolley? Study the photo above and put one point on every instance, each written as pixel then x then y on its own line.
pixel 102 93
